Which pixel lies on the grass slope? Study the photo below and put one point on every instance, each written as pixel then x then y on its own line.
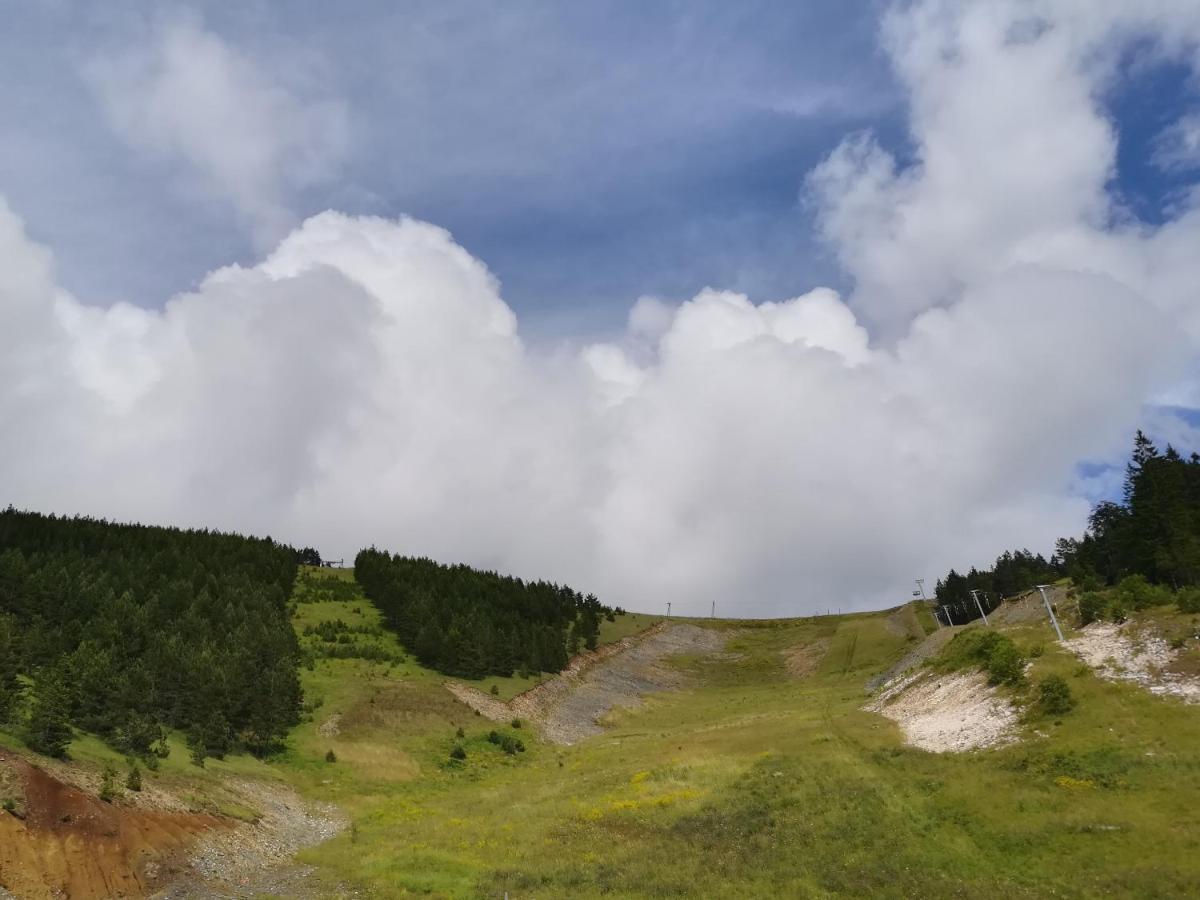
pixel 752 784
pixel 756 784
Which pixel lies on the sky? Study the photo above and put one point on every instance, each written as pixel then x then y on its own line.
pixel 771 305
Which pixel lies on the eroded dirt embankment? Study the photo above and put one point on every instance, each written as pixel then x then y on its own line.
pixel 60 840
pixel 69 843
pixel 568 707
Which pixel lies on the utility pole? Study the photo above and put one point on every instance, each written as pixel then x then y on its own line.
pixel 979 606
pixel 1042 590
pixel 668 609
pixel 714 610
pixel 921 586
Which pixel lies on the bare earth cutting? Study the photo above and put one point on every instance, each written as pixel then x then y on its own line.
pixel 917 656
pixel 61 840
pixel 805 659
pixel 569 707
pixel 67 843
pixel 1118 653
pixel 948 713
pixel 252 859
pixel 1029 608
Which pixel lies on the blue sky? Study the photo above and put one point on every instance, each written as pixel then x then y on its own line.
pixel 588 153
pixel 1151 94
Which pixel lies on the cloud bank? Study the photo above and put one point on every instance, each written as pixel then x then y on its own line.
pixel 366 382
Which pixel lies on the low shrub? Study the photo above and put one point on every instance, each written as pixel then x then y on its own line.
pixel 506 742
pixel 108 784
pixel 1188 600
pixel 133 781
pixel 1093 606
pixel 984 648
pixel 458 753
pixel 1054 696
pixel 1136 593
pixel 511 745
pixel 330 756
pixel 1131 594
pixel 1004 664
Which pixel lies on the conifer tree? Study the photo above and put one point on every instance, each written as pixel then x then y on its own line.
pixel 48 730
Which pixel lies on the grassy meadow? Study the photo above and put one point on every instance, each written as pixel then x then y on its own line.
pixel 754 783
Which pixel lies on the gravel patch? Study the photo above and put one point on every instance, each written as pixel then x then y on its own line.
pixel 250 860
pixel 927 649
pixel 948 713
pixel 1117 653
pixel 569 707
pixel 1029 608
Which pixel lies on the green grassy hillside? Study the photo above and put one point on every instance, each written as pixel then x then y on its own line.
pixel 753 783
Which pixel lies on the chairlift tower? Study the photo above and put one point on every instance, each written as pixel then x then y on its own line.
pixel 1050 610
pixel 979 606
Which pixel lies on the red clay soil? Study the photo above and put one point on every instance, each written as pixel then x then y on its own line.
pixel 72 844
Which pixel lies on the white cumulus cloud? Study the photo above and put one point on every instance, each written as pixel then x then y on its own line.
pixel 366 382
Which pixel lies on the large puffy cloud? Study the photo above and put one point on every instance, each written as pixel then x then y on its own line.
pixel 1014 155
pixel 366 383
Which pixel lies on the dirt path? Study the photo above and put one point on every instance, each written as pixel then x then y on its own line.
pixel 948 713
pixel 568 707
pixel 1120 653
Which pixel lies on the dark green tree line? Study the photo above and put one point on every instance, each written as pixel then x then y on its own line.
pixel 1154 531
pixel 125 630
pixel 471 623
pixel 1013 572
pixel 1152 534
